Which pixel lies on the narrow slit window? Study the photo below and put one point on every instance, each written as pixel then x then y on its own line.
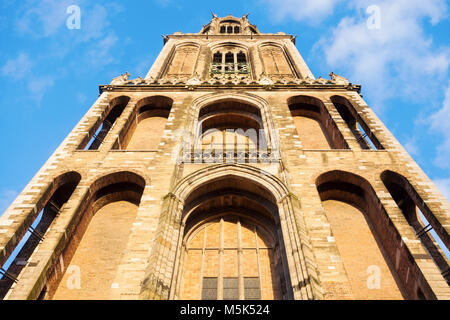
pixel 365 136
pixel 35 233
pixel 98 137
pixel 241 57
pixel 217 58
pixel 433 233
pixel 229 58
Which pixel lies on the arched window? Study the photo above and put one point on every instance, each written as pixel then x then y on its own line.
pixel 217 57
pixel 360 130
pixel 53 202
pixel 230 243
pixel 229 27
pixel 241 57
pixel 413 207
pixel 233 61
pixel 229 57
pixel 234 232
pixel 98 132
pixel 231 127
pixel 314 126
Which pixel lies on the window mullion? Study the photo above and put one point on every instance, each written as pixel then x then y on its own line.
pixel 240 260
pixel 220 278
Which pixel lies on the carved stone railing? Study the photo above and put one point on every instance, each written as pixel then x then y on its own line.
pixel 219 155
pixel 229 68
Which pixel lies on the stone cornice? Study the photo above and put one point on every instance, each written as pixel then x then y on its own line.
pixel 229 37
pixel 208 87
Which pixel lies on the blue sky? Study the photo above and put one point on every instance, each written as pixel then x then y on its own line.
pixel 49 74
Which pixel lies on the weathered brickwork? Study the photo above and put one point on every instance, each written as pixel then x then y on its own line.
pixel 325 209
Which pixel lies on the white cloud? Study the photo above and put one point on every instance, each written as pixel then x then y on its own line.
pixel 45 18
pixel 42 18
pixel 395 59
pixel 38 86
pixel 20 69
pixel 440 123
pixel 81 97
pixel 100 54
pixel 312 11
pixel 17 68
pixel 444 186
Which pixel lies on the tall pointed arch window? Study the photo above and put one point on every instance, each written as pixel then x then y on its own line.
pixel 231 61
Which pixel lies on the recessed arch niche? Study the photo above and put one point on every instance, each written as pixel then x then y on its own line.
pixel 228 192
pixel 98 242
pixel 146 125
pixel 231 247
pixel 313 124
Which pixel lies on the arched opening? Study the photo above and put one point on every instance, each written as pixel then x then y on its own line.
pixel 360 130
pixel 357 221
pixel 275 60
pixel 315 128
pixel 230 126
pixel 232 248
pixel 98 244
pixel 412 206
pixel 52 203
pixel 217 57
pixel 183 60
pixel 231 59
pixel 98 132
pixel 146 125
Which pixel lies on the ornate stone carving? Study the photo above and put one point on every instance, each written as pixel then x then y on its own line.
pixel 137 81
pixel 321 80
pixel 338 79
pixel 122 79
pixel 265 80
pixel 149 80
pixel 194 80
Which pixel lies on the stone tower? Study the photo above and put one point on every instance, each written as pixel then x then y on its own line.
pixel 228 172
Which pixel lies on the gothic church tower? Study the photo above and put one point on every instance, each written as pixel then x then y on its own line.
pixel 228 172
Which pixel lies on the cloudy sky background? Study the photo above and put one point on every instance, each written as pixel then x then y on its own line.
pixel 49 74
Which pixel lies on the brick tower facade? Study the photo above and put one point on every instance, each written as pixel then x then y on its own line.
pixel 228 172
